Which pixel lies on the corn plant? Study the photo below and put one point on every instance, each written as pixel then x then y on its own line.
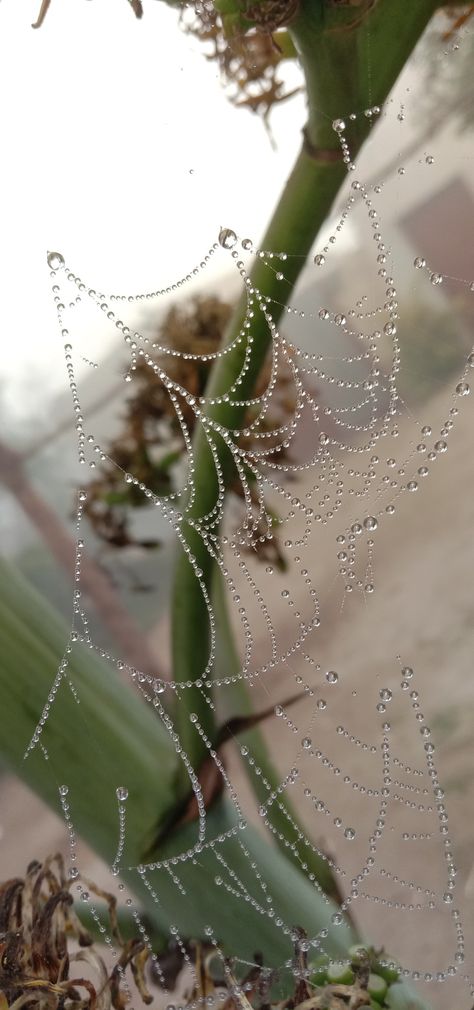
pixel 112 734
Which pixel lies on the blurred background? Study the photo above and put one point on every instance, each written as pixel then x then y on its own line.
pixel 122 150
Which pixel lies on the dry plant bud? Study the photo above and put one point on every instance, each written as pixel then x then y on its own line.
pixel 44 947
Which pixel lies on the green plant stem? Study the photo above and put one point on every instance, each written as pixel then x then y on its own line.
pixel 346 68
pixel 281 814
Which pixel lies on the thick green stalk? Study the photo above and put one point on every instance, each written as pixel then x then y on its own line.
pixel 281 814
pixel 348 65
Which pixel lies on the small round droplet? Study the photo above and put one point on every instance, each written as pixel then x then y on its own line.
pixel 121 793
pixel 436 278
pixel 227 238
pixel 412 485
pixel 385 694
pixel 419 262
pixel 63 790
pixel 246 243
pixel 306 743
pixel 429 159
pixel 441 445
pixel 349 833
pixel 323 438
pixel 332 677
pixel 463 389
pixel 338 125
pixel 55 260
pixel 319 260
pixel 370 523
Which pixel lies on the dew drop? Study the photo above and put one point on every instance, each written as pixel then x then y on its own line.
pixel 338 125
pixel 55 260
pixel 227 238
pixel 419 262
pixel 332 677
pixel 463 389
pixel 319 260
pixel 63 790
pixel 349 833
pixel 370 523
pixel 306 743
pixel 121 793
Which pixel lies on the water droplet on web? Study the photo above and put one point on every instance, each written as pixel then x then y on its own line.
pixel 349 833
pixel 385 694
pixel 319 260
pixel 227 238
pixel 338 125
pixel 441 445
pixel 323 438
pixel 332 677
pixel 436 278
pixel 370 523
pixel 246 243
pixel 55 260
pixel 419 262
pixel 463 389
pixel 306 743
pixel 63 790
pixel 121 793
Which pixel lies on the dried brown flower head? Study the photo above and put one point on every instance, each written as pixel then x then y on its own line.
pixel 48 960
pixel 151 441
pixel 249 62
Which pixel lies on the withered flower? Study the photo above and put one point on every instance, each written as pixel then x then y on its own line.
pixel 48 960
pixel 151 441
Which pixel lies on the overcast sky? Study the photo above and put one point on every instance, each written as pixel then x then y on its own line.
pixel 120 149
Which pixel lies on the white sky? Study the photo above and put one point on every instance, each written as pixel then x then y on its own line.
pixel 105 118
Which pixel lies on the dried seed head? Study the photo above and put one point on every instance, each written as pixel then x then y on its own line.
pixel 40 945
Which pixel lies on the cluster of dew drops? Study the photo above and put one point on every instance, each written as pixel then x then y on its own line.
pixel 345 464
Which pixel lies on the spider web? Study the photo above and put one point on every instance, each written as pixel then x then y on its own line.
pixel 340 481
